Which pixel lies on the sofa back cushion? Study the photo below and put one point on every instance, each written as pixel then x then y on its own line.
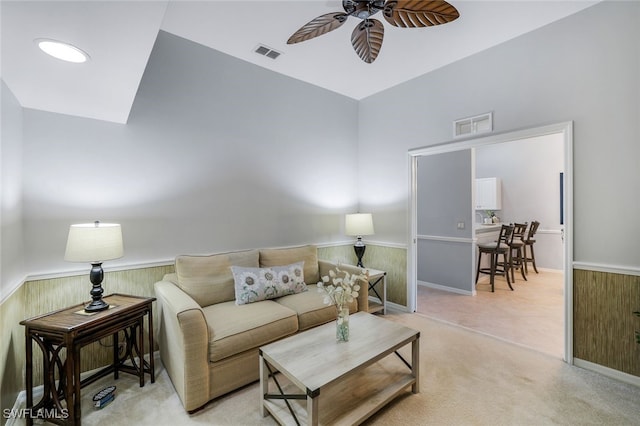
pixel 208 279
pixel 279 257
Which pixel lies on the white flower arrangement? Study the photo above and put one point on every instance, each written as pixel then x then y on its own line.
pixel 340 287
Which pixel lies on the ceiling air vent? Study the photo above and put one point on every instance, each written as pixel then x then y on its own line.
pixel 468 126
pixel 263 50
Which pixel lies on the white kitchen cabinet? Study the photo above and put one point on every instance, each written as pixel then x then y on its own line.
pixel 489 194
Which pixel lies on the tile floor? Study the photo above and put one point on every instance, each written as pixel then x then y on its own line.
pixel 532 315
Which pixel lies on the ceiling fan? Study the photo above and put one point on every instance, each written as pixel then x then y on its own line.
pixel 367 36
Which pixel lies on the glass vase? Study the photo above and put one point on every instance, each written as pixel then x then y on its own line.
pixel 342 325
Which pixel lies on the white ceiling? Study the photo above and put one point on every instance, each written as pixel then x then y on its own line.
pixel 119 36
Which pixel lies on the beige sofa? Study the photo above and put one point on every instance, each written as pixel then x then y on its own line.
pixel 208 343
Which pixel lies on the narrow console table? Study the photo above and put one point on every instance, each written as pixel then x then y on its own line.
pixel 68 330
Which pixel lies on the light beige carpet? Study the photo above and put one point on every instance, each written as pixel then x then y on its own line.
pixel 466 379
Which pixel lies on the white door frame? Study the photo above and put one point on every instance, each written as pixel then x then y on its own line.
pixel 564 128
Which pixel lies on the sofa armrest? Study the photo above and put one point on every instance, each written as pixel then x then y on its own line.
pixel 184 344
pixel 325 266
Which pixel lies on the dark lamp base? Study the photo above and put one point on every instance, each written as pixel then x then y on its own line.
pixel 96 306
pixel 96 275
pixel 359 253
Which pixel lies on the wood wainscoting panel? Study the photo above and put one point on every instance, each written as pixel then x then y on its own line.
pixel 393 260
pixel 603 321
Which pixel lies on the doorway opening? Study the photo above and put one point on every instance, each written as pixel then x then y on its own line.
pixel 443 240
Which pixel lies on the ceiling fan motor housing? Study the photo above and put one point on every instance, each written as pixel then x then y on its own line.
pixel 362 9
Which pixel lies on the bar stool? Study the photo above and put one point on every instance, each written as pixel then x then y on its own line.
pixel 494 250
pixel 516 252
pixel 528 242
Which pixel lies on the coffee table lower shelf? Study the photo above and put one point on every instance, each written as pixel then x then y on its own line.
pixel 350 401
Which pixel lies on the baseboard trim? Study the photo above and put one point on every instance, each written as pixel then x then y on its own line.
pixel 445 288
pixel 396 307
pixel 609 372
pixel 20 402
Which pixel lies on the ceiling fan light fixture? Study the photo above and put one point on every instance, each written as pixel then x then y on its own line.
pixel 362 9
pixel 63 51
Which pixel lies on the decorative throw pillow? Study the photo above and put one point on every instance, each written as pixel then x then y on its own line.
pixel 255 284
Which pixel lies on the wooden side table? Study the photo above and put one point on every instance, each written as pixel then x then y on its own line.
pixel 68 330
pixel 376 279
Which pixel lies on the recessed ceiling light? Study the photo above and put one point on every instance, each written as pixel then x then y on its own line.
pixel 63 51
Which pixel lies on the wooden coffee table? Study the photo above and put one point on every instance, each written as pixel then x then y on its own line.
pixel 322 381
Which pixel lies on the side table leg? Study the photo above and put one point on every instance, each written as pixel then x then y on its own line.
pixel 116 355
pixel 141 351
pixel 72 388
pixel 264 385
pixel 29 374
pixel 77 400
pixel 415 364
pixel 384 295
pixel 151 363
pixel 68 388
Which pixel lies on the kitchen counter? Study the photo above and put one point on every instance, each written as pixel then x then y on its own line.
pixel 481 228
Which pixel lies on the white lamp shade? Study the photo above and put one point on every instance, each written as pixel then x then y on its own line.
pixel 358 224
pixel 94 242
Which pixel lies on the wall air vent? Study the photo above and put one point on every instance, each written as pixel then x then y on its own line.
pixel 482 123
pixel 263 50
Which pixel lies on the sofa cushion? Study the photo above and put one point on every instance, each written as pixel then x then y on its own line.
pixel 208 279
pixel 237 328
pixel 309 254
pixel 311 309
pixel 256 284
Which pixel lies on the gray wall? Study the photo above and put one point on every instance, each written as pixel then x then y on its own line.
pixel 583 68
pixel 444 194
pixel 217 155
pixel 11 235
pixel 443 199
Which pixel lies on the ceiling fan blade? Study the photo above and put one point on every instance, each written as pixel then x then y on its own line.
pixel 419 13
pixel 318 26
pixel 367 39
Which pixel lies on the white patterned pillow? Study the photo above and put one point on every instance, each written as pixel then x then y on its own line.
pixel 256 284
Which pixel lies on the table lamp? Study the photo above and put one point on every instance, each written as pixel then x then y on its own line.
pixel 359 224
pixel 94 243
